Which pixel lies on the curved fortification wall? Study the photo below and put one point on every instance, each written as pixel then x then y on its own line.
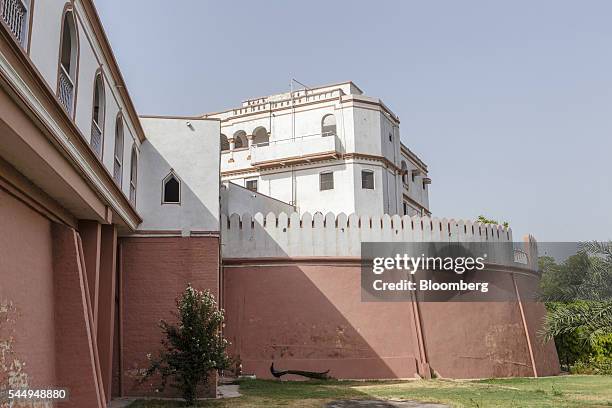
pixel 291 289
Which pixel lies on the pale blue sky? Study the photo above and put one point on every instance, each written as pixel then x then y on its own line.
pixel 509 103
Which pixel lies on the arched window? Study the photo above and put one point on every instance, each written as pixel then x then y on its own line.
pixel 67 76
pixel 328 125
pixel 118 161
pixel 240 139
pixel 171 193
pixel 133 176
pixel 261 137
pixel 97 122
pixel 225 146
pixel 404 172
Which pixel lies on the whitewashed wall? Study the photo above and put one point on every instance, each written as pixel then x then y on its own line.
pixel 329 235
pixel 45 38
pixel 360 130
pixel 367 132
pixel 192 153
pixel 414 189
pixel 346 196
pixel 362 127
pixel 44 53
pixel 239 200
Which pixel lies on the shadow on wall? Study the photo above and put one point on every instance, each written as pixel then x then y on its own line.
pixel 191 214
pixel 305 312
pixel 308 316
pixel 178 243
pixel 238 199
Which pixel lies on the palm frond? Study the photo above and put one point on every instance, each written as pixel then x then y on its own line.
pixel 600 248
pixel 588 318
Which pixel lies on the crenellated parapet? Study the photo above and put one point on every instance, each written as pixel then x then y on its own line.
pixel 329 235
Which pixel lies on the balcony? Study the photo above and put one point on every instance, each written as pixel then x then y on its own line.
pixel 302 149
pixel 96 139
pixel 66 90
pixel 14 15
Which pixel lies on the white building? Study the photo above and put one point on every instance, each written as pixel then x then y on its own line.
pixel 329 148
pixel 57 61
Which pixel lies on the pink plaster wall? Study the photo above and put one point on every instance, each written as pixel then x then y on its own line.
pixel 154 272
pixel 309 316
pixel 26 279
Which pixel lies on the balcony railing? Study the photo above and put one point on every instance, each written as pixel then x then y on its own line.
pixel 117 172
pixel 132 193
pixel 14 15
pixel 66 89
pixel 521 256
pixel 298 149
pixel 96 138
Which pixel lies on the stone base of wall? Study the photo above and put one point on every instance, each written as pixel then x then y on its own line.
pixel 154 272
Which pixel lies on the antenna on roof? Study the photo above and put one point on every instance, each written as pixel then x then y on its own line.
pixel 298 82
pixel 306 88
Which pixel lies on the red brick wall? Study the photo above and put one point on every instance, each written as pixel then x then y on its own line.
pixel 154 271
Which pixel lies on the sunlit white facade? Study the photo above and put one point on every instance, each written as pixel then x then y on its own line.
pixel 329 148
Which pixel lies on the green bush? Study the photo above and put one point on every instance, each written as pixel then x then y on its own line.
pixel 593 366
pixel 602 347
pixel 579 353
pixel 194 347
pixel 571 346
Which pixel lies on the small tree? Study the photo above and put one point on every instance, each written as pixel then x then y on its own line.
pixel 194 346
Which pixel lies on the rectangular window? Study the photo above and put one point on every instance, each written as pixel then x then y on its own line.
pixel 251 185
pixel 405 208
pixel 367 179
pixel 326 181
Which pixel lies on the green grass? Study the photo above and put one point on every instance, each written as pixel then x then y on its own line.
pixel 563 391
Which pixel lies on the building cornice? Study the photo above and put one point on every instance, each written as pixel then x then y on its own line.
pixel 314 159
pixel 416 203
pixel 278 261
pixel 15 184
pixel 146 234
pixel 316 88
pixel 178 117
pixel 374 102
pixel 267 109
pixel 411 155
pixel 26 83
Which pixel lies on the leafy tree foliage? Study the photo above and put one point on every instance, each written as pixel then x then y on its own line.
pixel 484 220
pixel 578 293
pixel 193 347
